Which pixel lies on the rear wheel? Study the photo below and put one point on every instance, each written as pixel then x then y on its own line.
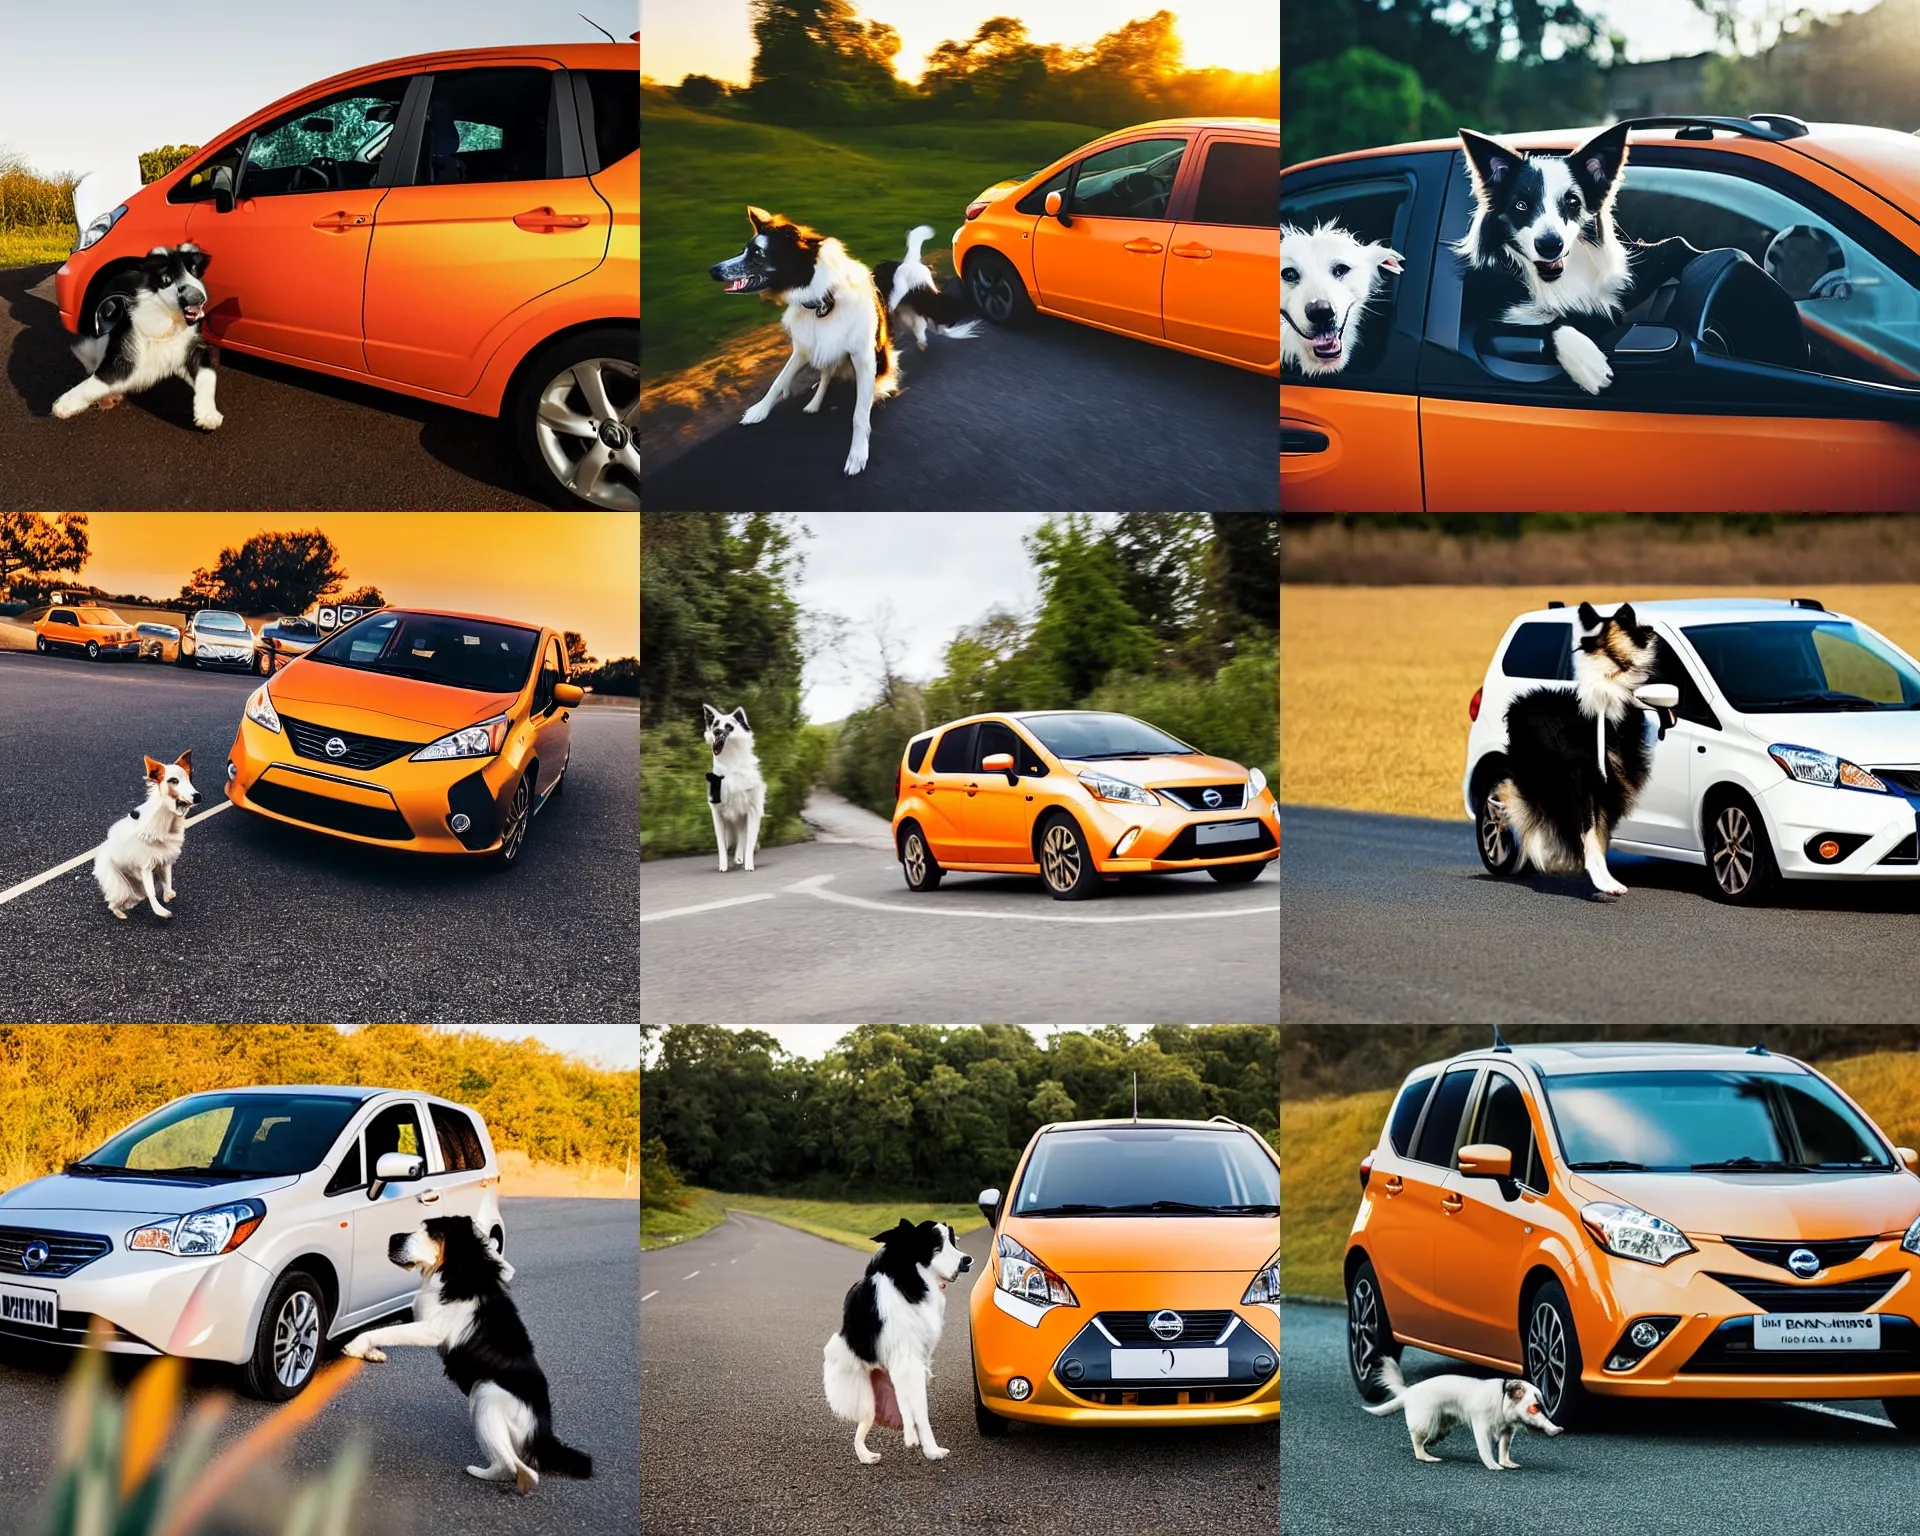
pixel 1499 851
pixel 286 1350
pixel 1369 1333
pixel 575 416
pixel 917 862
pixel 1553 1358
pixel 1066 862
pixel 997 291
pixel 1236 874
pixel 40 644
pixel 1739 857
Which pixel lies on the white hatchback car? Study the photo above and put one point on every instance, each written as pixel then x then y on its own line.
pixel 248 1225
pixel 1793 751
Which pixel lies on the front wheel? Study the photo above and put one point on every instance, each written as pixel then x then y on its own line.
pixel 1236 874
pixel 513 829
pixel 293 1330
pixel 917 862
pixel 997 291
pixel 575 416
pixel 1553 1358
pixel 1739 857
pixel 1066 862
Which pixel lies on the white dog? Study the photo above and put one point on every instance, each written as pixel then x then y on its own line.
pixel 1493 1409
pixel 736 793
pixel 138 855
pixel 1327 278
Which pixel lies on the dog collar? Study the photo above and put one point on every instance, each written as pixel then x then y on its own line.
pixel 713 786
pixel 822 306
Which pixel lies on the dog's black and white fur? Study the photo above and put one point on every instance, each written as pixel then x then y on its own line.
pixel 1542 248
pixel 1493 1410
pixel 1559 800
pixel 876 1368
pixel 154 335
pixel 140 849
pixel 463 1311
pixel 838 314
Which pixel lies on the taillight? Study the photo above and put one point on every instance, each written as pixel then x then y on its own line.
pixel 1473 705
pixel 974 210
pixel 1366 1168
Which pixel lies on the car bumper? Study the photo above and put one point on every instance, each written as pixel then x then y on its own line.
pixel 1798 814
pixel 204 1309
pixel 1140 839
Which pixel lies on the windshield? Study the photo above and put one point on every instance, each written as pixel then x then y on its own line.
pixel 1671 1122
pixel 1084 736
pixel 227 1135
pixel 1822 664
pixel 433 648
pixel 99 616
pixel 1147 1170
pixel 231 622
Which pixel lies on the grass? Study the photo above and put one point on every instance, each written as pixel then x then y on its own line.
pixel 661 1228
pixel 31 247
pixel 1375 680
pixel 868 186
pixel 849 1222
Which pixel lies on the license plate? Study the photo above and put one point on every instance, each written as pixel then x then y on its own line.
pixel 23 1305
pixel 1226 831
pixel 1167 1364
pixel 1817 1330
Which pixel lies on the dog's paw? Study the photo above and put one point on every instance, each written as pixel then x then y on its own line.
pixel 1608 887
pixel 160 911
pixel 755 413
pixel 1582 359
pixel 749 866
pixel 360 1349
pixel 109 402
pixel 935 1452
pixel 812 407
pixel 208 421
pixel 856 459
pixel 526 1479
pixel 868 1458
pixel 66 407
pixel 118 913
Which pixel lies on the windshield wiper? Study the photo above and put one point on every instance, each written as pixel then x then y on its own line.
pixel 1101 757
pixel 1812 702
pixel 1608 1165
pixel 1748 1165
pixel 93 1168
pixel 1066 1210
pixel 1204 1210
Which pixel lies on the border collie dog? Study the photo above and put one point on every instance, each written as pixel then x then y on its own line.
pixel 876 1368
pixel 1327 279
pixel 736 793
pixel 155 335
pixel 838 314
pixel 1492 1409
pixel 463 1311
pixel 1578 758
pixel 141 848
pixel 1543 231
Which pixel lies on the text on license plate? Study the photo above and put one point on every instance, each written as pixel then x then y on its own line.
pixel 21 1305
pixel 1226 831
pixel 1817 1330
pixel 1167 1364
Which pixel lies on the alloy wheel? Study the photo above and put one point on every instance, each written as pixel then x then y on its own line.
pixel 1733 851
pixel 916 858
pixel 588 431
pixel 1547 1357
pixel 1060 858
pixel 514 833
pixel 1493 835
pixel 296 1339
pixel 993 293
pixel 1363 1328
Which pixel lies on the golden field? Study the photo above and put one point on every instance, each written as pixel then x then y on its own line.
pixel 1374 681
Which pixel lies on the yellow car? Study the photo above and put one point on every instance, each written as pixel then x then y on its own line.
pixel 431 732
pixel 1134 1279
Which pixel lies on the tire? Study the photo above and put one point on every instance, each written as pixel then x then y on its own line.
pixel 1904 1412
pixel 1499 853
pixel 989 1423
pixel 589 384
pixel 499 1241
pixel 513 826
pixel 1740 867
pixel 996 290
pixel 1236 874
pixel 291 1340
pixel 917 863
pixel 113 295
pixel 93 650
pixel 1369 1332
pixel 1552 1350
pixel 40 644
pixel 1066 860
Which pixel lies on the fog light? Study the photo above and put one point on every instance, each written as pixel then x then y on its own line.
pixel 1263 1364
pixel 1829 849
pixel 1126 842
pixel 459 821
pixel 1644 1335
pixel 1019 1389
pixel 1073 1370
pixel 233 770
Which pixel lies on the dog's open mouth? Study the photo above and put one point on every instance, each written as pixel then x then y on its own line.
pixel 194 313
pixel 1550 270
pixel 740 284
pixel 1327 347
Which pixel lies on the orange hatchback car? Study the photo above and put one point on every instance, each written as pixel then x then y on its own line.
pixel 96 631
pixel 460 227
pixel 1169 231
pixel 1623 1220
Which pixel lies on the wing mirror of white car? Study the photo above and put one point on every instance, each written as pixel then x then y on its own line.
pixel 396 1168
pixel 990 1206
pixel 1657 696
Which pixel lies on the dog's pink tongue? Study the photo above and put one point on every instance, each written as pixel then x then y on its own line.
pixel 1326 346
pixel 886 1407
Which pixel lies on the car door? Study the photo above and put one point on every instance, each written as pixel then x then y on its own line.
pixel 1718 422
pixel 1223 258
pixel 288 247
pixel 494 208
pixel 1350 441
pixel 62 628
pixel 1000 814
pixel 461 1173
pixel 552 725
pixel 943 790
pixel 1482 1249
pixel 1407 1281
pixel 377 1283
pixel 1105 262
pixel 1666 813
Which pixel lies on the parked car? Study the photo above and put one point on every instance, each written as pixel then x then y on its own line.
pixel 1078 797
pixel 410 728
pixel 1134 1279
pixel 158 642
pixel 95 631
pixel 284 639
pixel 215 637
pixel 1757 774
pixel 1442 408
pixel 1639 1221
pixel 246 1225
pixel 461 227
pixel 1167 231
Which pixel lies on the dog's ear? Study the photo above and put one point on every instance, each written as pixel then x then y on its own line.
pixel 1623 616
pixel 185 761
pixel 903 1225
pixel 195 259
pixel 741 716
pixel 1589 617
pixel 1516 1391
pixel 1385 256
pixel 711 710
pixel 1493 164
pixel 759 218
pixel 154 769
pixel 1596 164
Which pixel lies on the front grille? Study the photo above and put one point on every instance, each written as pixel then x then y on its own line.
pixel 1193 796
pixel 1729 1351
pixel 1778 1296
pixel 1906 780
pixel 1162 1397
pixel 1132 1328
pixel 1186 847
pixel 68 1251
pixel 335 815
pixel 362 752
pixel 1843 1250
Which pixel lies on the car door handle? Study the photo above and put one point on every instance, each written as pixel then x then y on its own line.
pixel 1195 252
pixel 1392 1185
pixel 544 221
pixel 1303 440
pixel 339 222
pixel 1144 247
pixel 1451 1204
pixel 430 1197
pixel 972 790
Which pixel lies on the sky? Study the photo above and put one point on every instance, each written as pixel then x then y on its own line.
pixel 711 37
pixel 815 1040
pixel 134 77
pixel 937 570
pixel 573 570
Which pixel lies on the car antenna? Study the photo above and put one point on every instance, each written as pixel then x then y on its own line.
pixel 1500 1041
pixel 1758 1048
pixel 1136 1097
pixel 596 26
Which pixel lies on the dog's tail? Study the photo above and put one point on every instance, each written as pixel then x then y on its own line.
pixel 1388 1374
pixel 910 286
pixel 918 236
pixel 550 1455
pixel 843 1374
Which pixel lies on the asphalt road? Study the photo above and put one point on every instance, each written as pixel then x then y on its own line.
pixel 1059 417
pixel 574 1285
pixel 292 438
pixel 1392 919
pixel 1664 1469
pixel 829 933
pixel 737 1439
pixel 273 924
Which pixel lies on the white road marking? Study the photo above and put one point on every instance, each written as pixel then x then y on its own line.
pixel 1844 1413
pixel 74 863
pixel 707 906
pixel 689 1277
pixel 650 1295
pixel 815 885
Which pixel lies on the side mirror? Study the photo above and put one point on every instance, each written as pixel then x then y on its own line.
pixel 1482 1160
pixel 990 1206
pixel 568 695
pixel 1909 1158
pixel 223 200
pixel 1000 762
pixel 1056 206
pixel 1657 696
pixel 395 1168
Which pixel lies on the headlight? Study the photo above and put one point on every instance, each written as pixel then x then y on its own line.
pixel 1019 1273
pixel 1823 768
pixel 218 1229
pixel 1911 1242
pixel 1632 1233
pixel 482 740
pixel 1105 787
pixel 95 232
pixel 260 710
pixel 1256 782
pixel 1266 1284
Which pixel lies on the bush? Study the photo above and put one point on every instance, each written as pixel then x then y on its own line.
pixel 621 677
pixel 1357 100
pixel 866 755
pixel 660 1186
pixel 30 201
pixel 699 92
pixel 1235 714
pixel 155 163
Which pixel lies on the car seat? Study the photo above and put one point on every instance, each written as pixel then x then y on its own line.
pixel 1735 309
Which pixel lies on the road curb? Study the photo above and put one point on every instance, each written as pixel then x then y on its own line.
pixel 1287 1300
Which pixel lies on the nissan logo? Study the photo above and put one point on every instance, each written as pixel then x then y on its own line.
pixel 1167 1325
pixel 1804 1262
pixel 1212 797
pixel 336 747
pixel 37 1253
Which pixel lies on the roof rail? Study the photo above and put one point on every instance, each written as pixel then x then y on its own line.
pixel 1775 126
pixel 1811 602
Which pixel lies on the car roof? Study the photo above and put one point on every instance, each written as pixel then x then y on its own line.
pixel 321 1090
pixel 1217 1123
pixel 1566 1057
pixel 1680 609
pixel 448 613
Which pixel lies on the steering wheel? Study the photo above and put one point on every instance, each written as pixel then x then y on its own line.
pixel 321 166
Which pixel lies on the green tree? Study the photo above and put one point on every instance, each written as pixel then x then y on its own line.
pixel 1086 628
pixel 699 92
pixel 1051 1103
pixel 1357 100
pixel 270 572
pixel 818 59
pixel 36 547
pixel 365 596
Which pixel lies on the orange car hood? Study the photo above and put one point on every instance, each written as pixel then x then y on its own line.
pixel 1129 1244
pixel 316 683
pixel 1150 771
pixel 1812 1206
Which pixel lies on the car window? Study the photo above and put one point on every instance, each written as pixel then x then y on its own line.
pixel 917 752
pixel 1693 705
pixel 1239 184
pixel 1129 181
pixel 325 146
pixel 955 752
pixel 395 1129
pixel 219 172
pixel 1440 1134
pixel 994 737
pixel 348 1175
pixel 550 673
pixel 1371 209
pixel 487 125
pixel 1036 200
pixel 459 1141
pixel 1788 667
pixel 1541 648
pixel 62 616
pixel 613 132
pixel 1503 1121
pixel 1406 1112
